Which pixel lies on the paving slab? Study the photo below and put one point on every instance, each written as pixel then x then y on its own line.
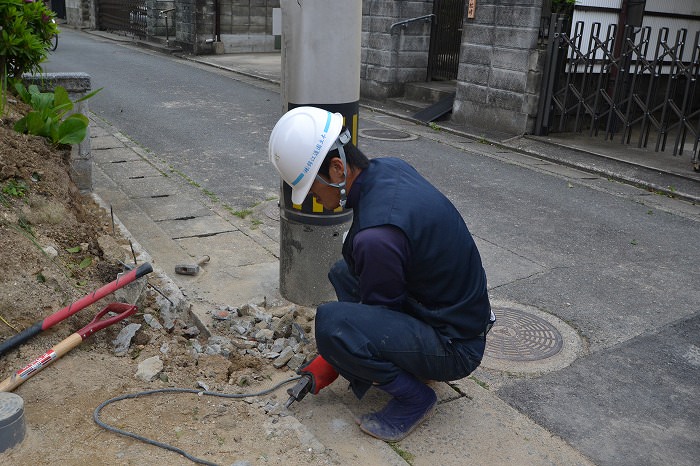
pixel 232 248
pixel 172 207
pixel 132 169
pixel 333 424
pixel 250 273
pixel 114 154
pixel 105 142
pixel 198 227
pixel 149 186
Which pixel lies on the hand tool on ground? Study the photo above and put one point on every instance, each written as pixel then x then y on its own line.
pixel 191 269
pixel 315 375
pixel 123 310
pixel 71 309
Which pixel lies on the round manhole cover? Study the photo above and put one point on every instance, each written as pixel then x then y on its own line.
pixel 521 336
pixel 528 340
pixel 386 134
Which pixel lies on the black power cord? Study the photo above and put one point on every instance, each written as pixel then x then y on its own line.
pixel 96 413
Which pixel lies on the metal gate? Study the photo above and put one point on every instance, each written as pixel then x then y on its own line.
pixel 127 16
pixel 644 89
pixel 445 39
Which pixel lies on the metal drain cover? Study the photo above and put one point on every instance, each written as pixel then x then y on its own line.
pixel 386 134
pixel 527 340
pixel 521 336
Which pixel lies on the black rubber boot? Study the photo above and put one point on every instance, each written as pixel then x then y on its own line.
pixel 413 403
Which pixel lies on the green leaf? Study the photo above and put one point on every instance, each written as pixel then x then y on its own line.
pixel 42 101
pixel 21 125
pixel 73 129
pixel 87 262
pixel 23 93
pixel 89 95
pixel 61 101
pixel 74 250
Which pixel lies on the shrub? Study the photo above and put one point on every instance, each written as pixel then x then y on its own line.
pixel 25 38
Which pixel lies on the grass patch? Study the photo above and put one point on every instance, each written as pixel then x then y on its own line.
pixel 211 195
pixel 241 213
pixel 405 455
pixel 480 383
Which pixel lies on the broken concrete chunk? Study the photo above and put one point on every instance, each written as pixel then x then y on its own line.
pixel 282 326
pixel 264 335
pixel 296 361
pixel 148 369
pixel 152 321
pixel 283 358
pixel 123 340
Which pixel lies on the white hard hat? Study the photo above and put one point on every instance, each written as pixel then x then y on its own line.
pixel 298 144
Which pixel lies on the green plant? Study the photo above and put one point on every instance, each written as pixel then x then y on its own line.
pixel 211 195
pixel 48 117
pixel 15 188
pixel 242 213
pixel 480 383
pixel 407 456
pixel 27 28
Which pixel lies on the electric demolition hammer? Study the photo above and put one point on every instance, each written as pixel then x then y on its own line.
pixel 315 375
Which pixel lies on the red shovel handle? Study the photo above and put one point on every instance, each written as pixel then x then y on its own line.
pixel 123 311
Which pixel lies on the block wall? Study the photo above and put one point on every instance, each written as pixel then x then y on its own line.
pixel 390 56
pixel 500 67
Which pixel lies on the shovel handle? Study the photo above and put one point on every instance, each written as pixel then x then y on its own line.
pixel 123 311
pixel 64 346
pixel 68 311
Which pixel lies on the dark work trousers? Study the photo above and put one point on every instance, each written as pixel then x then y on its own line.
pixel 373 344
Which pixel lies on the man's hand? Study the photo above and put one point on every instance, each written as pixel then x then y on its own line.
pixel 322 374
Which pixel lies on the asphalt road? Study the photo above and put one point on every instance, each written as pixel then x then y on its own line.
pixel 197 120
pixel 601 256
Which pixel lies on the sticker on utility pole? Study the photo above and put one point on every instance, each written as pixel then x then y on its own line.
pixel 470 9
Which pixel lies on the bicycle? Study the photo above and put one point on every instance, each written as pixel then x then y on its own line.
pixel 53 41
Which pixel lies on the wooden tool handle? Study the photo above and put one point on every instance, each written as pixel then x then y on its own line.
pixel 28 371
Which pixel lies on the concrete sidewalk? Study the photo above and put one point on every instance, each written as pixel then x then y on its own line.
pixel 174 220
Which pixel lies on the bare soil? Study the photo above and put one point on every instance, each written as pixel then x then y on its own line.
pixel 52 253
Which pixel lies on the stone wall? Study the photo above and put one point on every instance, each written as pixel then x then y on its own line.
pixel 156 24
pixel 393 56
pixel 500 69
pixel 247 16
pixel 246 25
pixel 81 13
pixel 194 21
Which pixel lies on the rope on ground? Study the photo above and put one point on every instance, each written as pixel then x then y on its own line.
pixel 96 413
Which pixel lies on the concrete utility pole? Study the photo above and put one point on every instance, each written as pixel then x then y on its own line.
pixel 320 67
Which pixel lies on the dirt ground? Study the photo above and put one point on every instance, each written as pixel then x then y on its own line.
pixel 52 253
